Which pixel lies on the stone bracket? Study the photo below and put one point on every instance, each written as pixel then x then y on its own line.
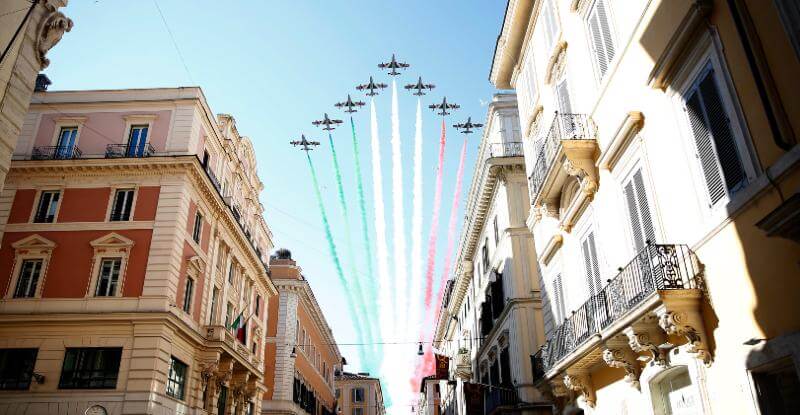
pixel 581 383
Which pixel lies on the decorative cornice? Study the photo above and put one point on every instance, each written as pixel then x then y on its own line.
pixel 627 130
pixel 556 63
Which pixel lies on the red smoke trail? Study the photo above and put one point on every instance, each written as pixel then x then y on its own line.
pixel 426 367
pixel 451 226
pixel 437 202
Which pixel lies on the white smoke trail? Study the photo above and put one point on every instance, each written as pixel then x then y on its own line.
pixel 416 230
pixel 382 250
pixel 398 216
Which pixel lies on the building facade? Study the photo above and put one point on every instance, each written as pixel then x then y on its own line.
pixel 491 315
pixel 301 354
pixel 28 30
pixel 134 277
pixel 661 154
pixel 359 394
pixel 428 403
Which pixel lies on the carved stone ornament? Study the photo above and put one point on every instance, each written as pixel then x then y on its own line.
pixel 224 376
pixel 51 29
pixel 559 389
pixel 677 323
pixel 641 340
pixel 620 359
pixel 588 183
pixel 238 392
pixel 580 384
pixel 208 371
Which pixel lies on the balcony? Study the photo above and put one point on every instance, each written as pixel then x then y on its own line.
pixel 55 153
pixel 128 151
pixel 506 149
pixel 568 150
pixel 660 288
pixel 496 399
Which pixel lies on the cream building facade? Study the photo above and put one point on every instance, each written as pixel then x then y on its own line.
pixel 28 30
pixel 133 243
pixel 660 145
pixel 491 318
pixel 359 394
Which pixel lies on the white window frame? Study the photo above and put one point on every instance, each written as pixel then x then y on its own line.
pixel 110 207
pixel 101 261
pixel 67 122
pixel 31 247
pixel 707 55
pixel 112 245
pixel 623 176
pixel 38 199
pixel 138 120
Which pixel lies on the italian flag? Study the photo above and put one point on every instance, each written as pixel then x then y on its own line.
pixel 239 327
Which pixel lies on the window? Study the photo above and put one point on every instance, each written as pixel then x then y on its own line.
pixel 562 96
pixel 550 24
pixel 673 393
pixel 231 272
pixel 228 315
pixel 90 368
pixel 66 142
pixel 639 212
pixel 591 265
pixel 338 393
pixel 176 381
pixel 715 143
pixel 206 159
pixel 358 394
pixel 108 277
pixel 560 310
pixel 48 205
pixel 137 141
pixel 198 227
pixel 778 389
pixel 258 305
pixel 187 295
pixel 358 411
pixel 600 37
pixel 222 399
pixel 16 368
pixel 214 299
pixel 122 205
pixel 28 279
pixel 485 254
pixel 496 232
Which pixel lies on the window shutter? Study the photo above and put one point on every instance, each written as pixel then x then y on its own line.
pixel 597 41
pixel 722 134
pixel 605 29
pixel 559 299
pixel 716 149
pixel 550 24
pixel 644 208
pixel 562 92
pixel 639 212
pixel 705 151
pixel 591 264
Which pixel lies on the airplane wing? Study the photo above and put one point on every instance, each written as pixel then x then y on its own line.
pixel 382 65
pixel 361 87
pixel 337 121
pixel 381 85
pixel 403 65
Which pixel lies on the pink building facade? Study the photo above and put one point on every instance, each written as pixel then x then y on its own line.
pixel 133 258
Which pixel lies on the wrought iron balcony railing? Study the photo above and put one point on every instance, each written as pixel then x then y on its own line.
pixel 564 127
pixel 128 151
pixel 537 365
pixel 213 178
pixel 55 153
pixel 506 149
pixel 655 268
pixel 495 397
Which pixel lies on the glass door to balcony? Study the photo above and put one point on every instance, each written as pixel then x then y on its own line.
pixel 66 142
pixel 137 141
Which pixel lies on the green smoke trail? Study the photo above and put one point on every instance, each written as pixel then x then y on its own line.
pixel 351 303
pixel 359 292
pixel 371 290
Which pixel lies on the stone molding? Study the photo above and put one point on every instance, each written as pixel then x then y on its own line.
pixel 51 29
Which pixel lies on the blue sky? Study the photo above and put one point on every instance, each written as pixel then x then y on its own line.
pixel 278 65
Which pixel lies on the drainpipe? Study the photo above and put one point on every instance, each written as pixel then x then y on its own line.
pixel 781 130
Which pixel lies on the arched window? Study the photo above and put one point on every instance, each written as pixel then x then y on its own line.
pixel 673 392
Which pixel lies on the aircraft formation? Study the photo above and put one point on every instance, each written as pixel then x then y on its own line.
pixel 372 88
